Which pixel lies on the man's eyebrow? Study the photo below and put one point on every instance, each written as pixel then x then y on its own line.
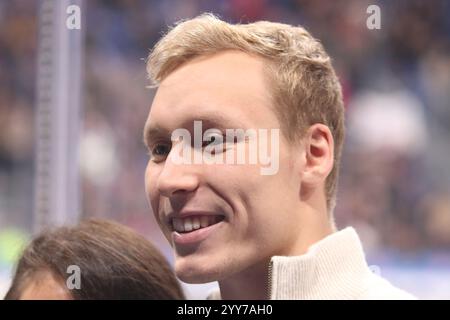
pixel 209 120
pixel 217 120
pixel 151 132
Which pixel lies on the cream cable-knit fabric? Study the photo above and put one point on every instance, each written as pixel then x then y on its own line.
pixel 333 268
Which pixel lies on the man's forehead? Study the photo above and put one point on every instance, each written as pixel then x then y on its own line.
pixel 216 66
pixel 225 90
pixel 227 76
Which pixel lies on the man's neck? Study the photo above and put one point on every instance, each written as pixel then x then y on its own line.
pixel 253 283
pixel 250 284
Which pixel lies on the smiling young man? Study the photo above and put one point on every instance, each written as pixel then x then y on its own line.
pixel 260 236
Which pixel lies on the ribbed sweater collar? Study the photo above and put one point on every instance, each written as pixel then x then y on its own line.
pixel 333 268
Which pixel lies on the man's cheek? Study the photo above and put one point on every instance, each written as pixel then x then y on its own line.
pixel 155 208
pixel 150 190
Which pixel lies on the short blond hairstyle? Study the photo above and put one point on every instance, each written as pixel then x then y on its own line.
pixel 305 88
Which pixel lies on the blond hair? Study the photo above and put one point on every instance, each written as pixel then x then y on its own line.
pixel 305 88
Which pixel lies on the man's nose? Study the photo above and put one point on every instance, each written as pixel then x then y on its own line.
pixel 177 179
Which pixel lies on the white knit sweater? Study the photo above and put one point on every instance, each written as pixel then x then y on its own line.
pixel 333 268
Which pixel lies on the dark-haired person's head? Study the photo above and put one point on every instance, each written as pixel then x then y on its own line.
pixel 113 261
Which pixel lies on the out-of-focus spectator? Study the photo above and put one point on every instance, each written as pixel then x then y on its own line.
pixel 113 262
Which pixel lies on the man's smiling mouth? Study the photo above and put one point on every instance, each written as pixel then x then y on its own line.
pixel 194 222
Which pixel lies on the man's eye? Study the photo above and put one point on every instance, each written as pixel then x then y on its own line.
pixel 160 151
pixel 214 143
pixel 211 140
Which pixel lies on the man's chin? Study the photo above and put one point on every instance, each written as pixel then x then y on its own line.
pixel 197 272
pixel 194 276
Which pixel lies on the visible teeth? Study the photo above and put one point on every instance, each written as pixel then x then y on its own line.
pixel 196 223
pixel 187 224
pixel 178 224
pixel 204 221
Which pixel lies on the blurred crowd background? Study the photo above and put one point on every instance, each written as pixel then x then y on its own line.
pixel 395 178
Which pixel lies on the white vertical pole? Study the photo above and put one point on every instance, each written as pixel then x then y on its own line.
pixel 58 117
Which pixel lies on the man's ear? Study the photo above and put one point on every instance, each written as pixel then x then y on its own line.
pixel 319 155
